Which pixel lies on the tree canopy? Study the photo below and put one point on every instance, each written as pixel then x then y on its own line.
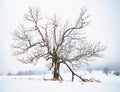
pixel 56 40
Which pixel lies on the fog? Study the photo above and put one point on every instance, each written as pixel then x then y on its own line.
pixel 104 27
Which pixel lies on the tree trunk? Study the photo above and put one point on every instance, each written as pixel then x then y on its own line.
pixel 56 73
pixel 56 65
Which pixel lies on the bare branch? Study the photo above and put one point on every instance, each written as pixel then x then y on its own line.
pixel 79 24
pixel 55 40
pixel 33 15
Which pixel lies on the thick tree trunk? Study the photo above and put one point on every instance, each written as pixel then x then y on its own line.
pixel 56 73
pixel 56 65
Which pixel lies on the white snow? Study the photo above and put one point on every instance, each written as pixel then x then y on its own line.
pixel 110 83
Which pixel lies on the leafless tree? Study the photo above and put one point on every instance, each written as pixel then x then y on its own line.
pixel 61 42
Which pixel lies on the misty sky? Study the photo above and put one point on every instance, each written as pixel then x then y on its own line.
pixel 104 27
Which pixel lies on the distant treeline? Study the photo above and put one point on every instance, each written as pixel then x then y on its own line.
pixel 27 72
pixel 105 70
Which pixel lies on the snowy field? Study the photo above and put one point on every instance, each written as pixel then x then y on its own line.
pixel 110 83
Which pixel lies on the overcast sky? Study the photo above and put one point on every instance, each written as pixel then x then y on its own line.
pixel 105 27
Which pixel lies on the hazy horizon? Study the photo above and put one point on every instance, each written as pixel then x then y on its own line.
pixel 104 27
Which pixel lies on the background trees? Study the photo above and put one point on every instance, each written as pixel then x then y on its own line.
pixel 106 70
pixel 58 41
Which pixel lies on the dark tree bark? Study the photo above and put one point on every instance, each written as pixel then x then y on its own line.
pixel 56 41
pixel 55 65
pixel 56 74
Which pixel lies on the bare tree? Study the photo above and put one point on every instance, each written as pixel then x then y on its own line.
pixel 57 41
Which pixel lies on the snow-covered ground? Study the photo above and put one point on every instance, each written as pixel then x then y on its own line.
pixel 110 83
